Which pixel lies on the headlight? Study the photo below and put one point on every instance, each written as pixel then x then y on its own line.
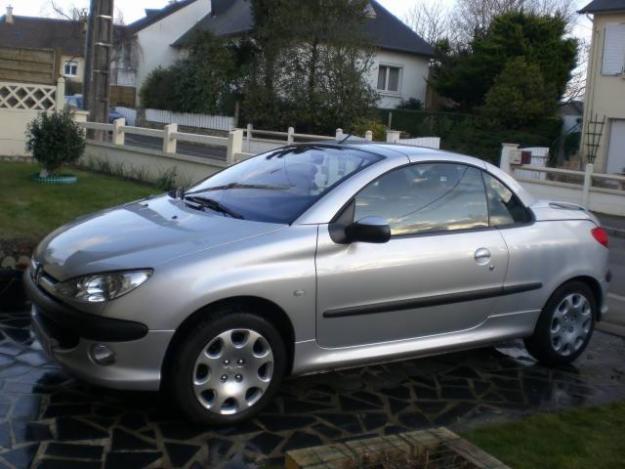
pixel 100 288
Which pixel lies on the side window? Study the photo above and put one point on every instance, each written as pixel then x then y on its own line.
pixel 504 206
pixel 427 198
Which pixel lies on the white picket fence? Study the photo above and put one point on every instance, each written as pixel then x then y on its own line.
pixel 200 121
pixel 599 192
pixel 427 142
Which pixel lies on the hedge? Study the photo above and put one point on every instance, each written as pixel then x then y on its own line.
pixel 469 134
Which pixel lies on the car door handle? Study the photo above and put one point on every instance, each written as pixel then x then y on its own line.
pixel 482 256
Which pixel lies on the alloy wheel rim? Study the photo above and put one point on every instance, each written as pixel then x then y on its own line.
pixel 571 324
pixel 233 371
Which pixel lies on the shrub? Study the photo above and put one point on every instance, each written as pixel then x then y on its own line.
pixel 160 88
pixel 363 125
pixel 519 97
pixel 55 139
pixel 412 104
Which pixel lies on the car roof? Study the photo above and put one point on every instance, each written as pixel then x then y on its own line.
pixel 398 151
pixel 393 156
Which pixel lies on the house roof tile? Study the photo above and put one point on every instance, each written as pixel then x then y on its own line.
pixel 604 6
pixel 153 16
pixel 43 33
pixel 46 33
pixel 232 18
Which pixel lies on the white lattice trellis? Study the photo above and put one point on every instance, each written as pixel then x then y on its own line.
pixel 26 97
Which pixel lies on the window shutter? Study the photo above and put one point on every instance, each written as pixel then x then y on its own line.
pixel 614 50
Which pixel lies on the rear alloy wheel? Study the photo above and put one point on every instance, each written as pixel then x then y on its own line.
pixel 571 324
pixel 565 325
pixel 227 367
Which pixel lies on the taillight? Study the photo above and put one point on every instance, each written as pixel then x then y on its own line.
pixel 601 236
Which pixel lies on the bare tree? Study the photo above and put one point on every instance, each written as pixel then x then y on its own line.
pixel 430 20
pixel 576 88
pixel 471 16
pixel 71 13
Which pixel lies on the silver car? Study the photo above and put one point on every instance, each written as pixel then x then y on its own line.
pixel 312 258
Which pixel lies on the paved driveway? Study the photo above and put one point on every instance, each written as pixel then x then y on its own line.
pixel 51 420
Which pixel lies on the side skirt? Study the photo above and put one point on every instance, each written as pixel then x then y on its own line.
pixel 312 358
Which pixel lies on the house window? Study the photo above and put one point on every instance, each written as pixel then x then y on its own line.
pixel 614 50
pixel 388 78
pixel 70 69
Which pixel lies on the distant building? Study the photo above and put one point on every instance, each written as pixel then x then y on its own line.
pixel 64 37
pixel 603 133
pixel 399 72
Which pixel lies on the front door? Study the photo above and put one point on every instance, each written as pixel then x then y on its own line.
pixel 439 273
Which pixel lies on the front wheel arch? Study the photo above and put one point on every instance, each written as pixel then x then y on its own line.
pixel 265 308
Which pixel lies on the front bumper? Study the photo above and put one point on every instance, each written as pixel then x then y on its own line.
pixel 68 336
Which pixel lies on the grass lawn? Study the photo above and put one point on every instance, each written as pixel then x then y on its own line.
pixel 582 438
pixel 29 210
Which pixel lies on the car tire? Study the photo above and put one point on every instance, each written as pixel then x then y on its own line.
pixel 565 325
pixel 227 367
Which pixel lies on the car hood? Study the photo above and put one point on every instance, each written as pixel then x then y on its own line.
pixel 141 234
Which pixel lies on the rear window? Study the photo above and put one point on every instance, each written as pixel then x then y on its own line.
pixel 504 206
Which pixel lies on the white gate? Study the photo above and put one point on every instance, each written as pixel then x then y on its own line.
pixel 20 103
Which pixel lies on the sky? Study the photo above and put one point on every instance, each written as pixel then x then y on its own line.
pixel 133 9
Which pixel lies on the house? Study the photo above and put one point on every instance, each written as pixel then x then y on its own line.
pixel 25 37
pixel 603 134
pixel 572 114
pixel 399 72
pixel 64 37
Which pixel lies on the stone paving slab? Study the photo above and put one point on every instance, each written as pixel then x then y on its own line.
pixel 48 419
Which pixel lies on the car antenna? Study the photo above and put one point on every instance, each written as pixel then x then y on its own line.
pixel 349 135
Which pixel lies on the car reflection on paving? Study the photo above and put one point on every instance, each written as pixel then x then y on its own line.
pixel 48 419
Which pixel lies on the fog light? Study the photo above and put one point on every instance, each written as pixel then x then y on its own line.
pixel 102 355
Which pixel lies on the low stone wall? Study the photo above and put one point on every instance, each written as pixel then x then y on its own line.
pixel 149 165
pixel 15 253
pixel 14 259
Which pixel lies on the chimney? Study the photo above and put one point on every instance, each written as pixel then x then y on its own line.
pixel 9 17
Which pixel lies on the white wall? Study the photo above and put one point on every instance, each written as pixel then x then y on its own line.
pixel 154 41
pixel 412 80
pixel 605 94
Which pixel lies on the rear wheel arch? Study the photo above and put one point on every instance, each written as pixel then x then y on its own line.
pixel 594 286
pixel 251 304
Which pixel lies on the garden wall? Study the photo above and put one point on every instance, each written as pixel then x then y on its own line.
pixel 149 165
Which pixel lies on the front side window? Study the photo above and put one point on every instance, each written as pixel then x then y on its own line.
pixel 504 206
pixel 279 186
pixel 70 69
pixel 388 78
pixel 426 198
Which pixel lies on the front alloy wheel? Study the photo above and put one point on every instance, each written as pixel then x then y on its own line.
pixel 233 371
pixel 226 368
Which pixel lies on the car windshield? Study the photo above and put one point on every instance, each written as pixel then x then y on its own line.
pixel 277 187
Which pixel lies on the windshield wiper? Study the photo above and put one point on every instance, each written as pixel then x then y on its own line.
pixel 228 187
pixel 213 205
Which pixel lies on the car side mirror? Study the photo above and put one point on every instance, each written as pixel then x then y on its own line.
pixel 369 230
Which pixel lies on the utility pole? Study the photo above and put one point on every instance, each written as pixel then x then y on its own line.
pixel 99 50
